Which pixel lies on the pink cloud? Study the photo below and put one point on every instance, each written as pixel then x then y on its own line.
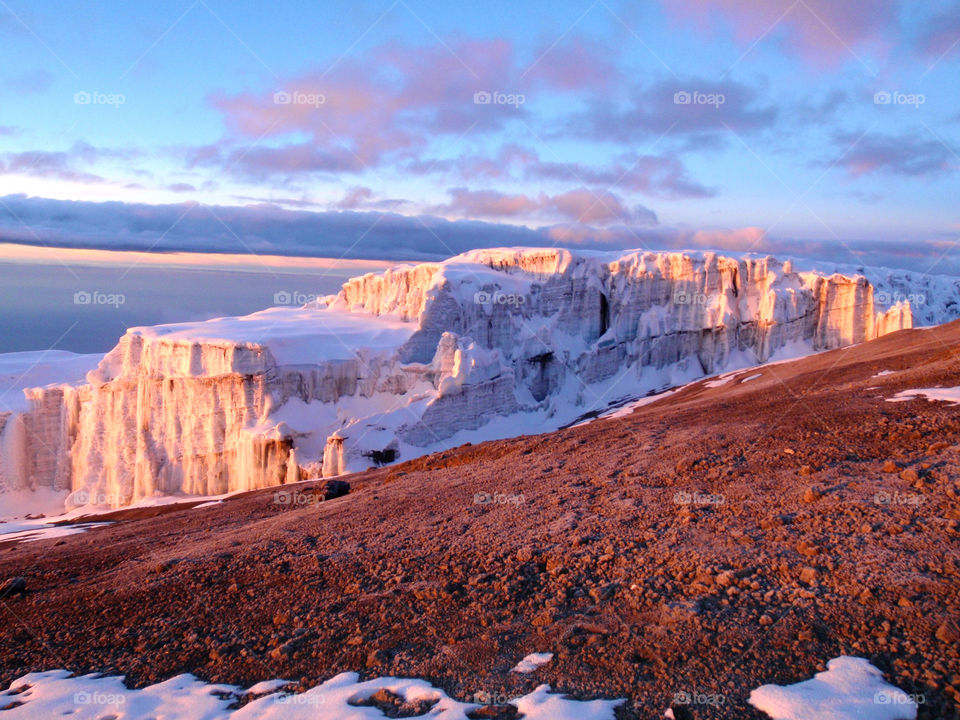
pixel 900 155
pixel 581 205
pixel 822 31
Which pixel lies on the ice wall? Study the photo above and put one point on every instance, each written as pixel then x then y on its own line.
pixel 399 363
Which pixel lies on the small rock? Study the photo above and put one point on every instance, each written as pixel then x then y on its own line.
pixel 13 586
pixel 806 470
pixel 890 467
pixel 812 494
pixel 525 554
pixel 330 489
pixel 377 657
pixel 808 575
pixel 766 620
pixel 910 475
pixel 725 579
pixel 948 632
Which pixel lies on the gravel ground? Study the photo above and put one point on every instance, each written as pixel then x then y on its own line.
pixel 711 542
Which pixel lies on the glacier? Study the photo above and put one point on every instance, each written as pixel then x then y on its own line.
pixel 419 358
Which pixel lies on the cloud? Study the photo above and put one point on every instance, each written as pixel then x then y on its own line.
pixel 909 155
pixel 653 175
pixel 392 102
pixel 580 206
pixel 181 187
pixel 269 229
pixel 9 130
pixel 941 32
pixel 30 83
pixel 363 198
pixel 694 108
pixel 823 32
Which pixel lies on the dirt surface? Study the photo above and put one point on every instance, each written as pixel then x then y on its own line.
pixel 711 542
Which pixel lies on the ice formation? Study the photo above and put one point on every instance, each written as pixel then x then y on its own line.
pixel 487 344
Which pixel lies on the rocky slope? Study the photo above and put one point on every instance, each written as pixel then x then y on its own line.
pixel 739 532
pixel 489 344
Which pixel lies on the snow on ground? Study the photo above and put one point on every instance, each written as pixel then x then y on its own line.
pixel 295 335
pixel 884 372
pixel 750 377
pixel 21 370
pixel 17 522
pixel 184 697
pixel 850 689
pixel 950 395
pixel 532 661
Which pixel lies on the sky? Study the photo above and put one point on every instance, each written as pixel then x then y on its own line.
pixel 413 129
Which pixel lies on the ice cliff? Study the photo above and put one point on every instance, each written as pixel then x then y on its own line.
pixel 487 344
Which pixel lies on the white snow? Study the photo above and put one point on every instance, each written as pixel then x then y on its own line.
pixel 750 377
pixel 184 697
pixel 850 689
pixel 22 370
pixel 950 395
pixel 532 661
pixel 884 372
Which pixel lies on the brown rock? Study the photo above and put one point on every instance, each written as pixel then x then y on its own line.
pixel 948 632
pixel 808 575
pixel 890 467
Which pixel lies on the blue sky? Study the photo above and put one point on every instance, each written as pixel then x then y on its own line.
pixel 740 124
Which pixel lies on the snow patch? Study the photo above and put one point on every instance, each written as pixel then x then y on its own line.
pixel 850 689
pixel 950 395
pixel 184 697
pixel 532 661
